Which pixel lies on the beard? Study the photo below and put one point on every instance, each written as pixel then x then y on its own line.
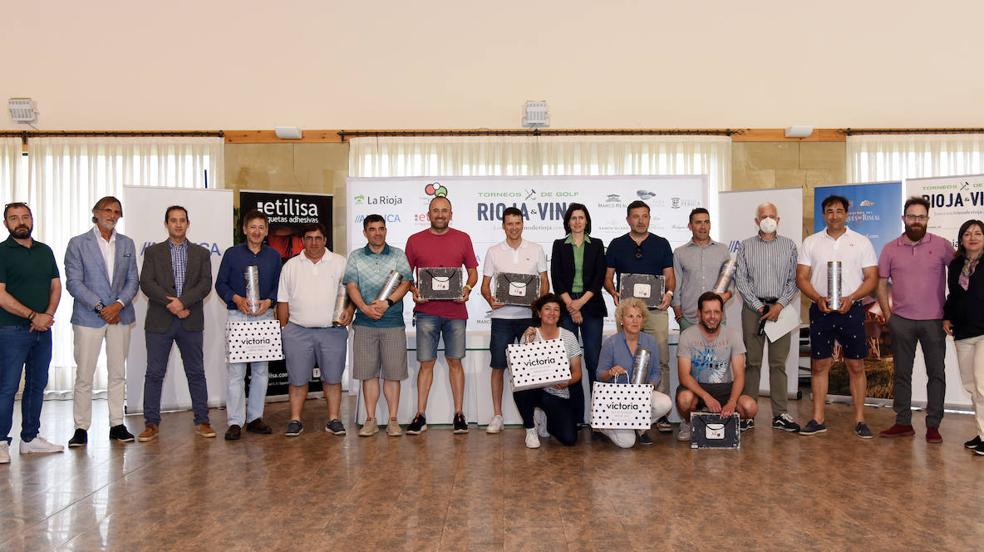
pixel 709 329
pixel 915 232
pixel 21 232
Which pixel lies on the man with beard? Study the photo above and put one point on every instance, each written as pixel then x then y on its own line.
pixel 29 292
pixel 711 366
pixel 912 272
pixel 101 274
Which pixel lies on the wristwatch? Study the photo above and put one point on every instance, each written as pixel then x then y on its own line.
pixel 390 302
pixel 99 307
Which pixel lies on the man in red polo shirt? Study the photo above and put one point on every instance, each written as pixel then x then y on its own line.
pixel 912 271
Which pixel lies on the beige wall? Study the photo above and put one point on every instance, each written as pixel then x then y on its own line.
pixel 254 64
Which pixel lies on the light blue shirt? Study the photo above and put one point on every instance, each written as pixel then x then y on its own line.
pixel 615 352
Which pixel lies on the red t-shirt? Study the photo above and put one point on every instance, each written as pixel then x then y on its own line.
pixel 450 249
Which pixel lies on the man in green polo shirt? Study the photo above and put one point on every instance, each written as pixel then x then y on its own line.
pixel 29 294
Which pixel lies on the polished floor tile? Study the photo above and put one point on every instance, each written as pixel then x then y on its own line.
pixel 440 491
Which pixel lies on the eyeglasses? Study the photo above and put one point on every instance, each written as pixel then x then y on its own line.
pixel 917 218
pixel 638 253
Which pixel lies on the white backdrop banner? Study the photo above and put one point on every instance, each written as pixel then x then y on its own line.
pixel 478 203
pixel 210 214
pixel 737 222
pixel 953 200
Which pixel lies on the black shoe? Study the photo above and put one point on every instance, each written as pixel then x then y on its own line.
pixel 460 425
pixel 418 425
pixel 79 439
pixel 294 428
pixel 972 444
pixel 663 425
pixel 233 433
pixel 335 427
pixel 979 449
pixel 862 431
pixel 746 424
pixel 645 439
pixel 120 433
pixel 812 428
pixel 785 422
pixel 257 426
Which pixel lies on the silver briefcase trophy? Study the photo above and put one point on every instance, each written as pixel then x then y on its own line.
pixel 647 287
pixel 517 289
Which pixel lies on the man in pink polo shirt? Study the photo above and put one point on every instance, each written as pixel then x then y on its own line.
pixel 912 270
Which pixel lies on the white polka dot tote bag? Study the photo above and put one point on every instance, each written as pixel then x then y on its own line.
pixel 253 341
pixel 621 405
pixel 538 364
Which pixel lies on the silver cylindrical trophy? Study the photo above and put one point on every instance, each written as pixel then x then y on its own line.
pixel 640 365
pixel 835 285
pixel 341 303
pixel 393 281
pixel 726 275
pixel 252 277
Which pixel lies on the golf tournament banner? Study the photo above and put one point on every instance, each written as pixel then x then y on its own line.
pixel 288 212
pixel 876 212
pixel 952 201
pixel 478 202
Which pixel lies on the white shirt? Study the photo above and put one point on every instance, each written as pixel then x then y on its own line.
pixel 854 250
pixel 528 258
pixel 108 250
pixel 311 288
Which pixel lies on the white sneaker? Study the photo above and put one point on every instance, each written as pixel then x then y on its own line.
pixel 495 425
pixel 39 445
pixel 540 421
pixel 684 434
pixel 4 452
pixel 532 441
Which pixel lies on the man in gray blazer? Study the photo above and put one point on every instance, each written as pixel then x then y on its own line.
pixel 176 278
pixel 101 273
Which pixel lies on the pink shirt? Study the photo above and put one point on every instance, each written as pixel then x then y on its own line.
pixel 451 249
pixel 918 275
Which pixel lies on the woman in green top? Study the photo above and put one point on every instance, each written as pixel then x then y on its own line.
pixel 577 270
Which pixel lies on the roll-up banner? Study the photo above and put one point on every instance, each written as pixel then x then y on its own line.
pixel 288 212
pixel 210 217
pixel 875 211
pixel 736 223
pixel 478 203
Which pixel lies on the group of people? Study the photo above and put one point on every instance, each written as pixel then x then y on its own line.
pixel 718 366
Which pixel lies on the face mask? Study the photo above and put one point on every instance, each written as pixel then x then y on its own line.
pixel 768 225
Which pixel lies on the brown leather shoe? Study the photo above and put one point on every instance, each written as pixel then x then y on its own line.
pixel 149 433
pixel 898 430
pixel 205 430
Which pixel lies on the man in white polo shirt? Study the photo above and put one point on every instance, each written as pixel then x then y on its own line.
pixel 859 269
pixel 514 256
pixel 305 308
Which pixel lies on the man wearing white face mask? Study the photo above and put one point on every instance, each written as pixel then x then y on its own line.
pixel 766 278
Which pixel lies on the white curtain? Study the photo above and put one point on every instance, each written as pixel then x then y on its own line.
pixel 13 184
pixel 876 158
pixel 67 177
pixel 542 156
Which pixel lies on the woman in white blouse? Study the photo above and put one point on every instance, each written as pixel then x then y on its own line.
pixel 551 410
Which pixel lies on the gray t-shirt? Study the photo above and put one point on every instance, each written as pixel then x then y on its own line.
pixel 710 359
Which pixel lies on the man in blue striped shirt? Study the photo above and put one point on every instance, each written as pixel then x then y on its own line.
pixel 766 278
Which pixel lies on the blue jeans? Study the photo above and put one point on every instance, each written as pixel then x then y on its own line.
pixel 158 350
pixel 431 328
pixel 20 349
pixel 589 333
pixel 239 409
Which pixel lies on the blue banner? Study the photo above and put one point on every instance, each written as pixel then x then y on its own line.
pixel 876 210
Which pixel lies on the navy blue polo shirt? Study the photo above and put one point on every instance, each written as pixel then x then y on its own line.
pixel 651 257
pixel 231 281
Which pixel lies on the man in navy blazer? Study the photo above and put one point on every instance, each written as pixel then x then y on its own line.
pixel 101 274
pixel 176 278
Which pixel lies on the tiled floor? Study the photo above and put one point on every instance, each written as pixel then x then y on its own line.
pixel 440 491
